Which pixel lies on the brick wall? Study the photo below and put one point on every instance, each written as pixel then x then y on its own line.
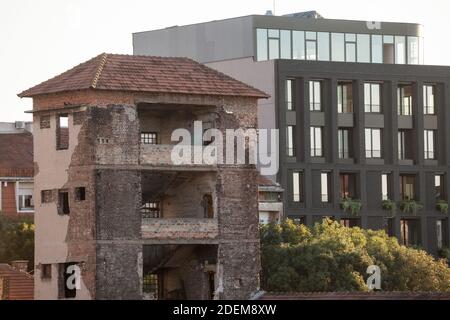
pixel 9 199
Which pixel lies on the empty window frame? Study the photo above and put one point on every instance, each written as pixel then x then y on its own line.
pixel 151 210
pixel 290 94
pixel 46 196
pixel 297 186
pixel 63 202
pixel 344 139
pixel 325 187
pixel 149 138
pixel 407 187
pixel 290 141
pixel 80 193
pixel 439 186
pixel 152 286
pixel 316 142
pixel 372 97
pixel 373 143
pixel 429 144
pixel 404 100
pixel 67 285
pixel 315 95
pixel 62 132
pixel 46 271
pixel 429 99
pixel 345 97
pixel 350 222
pixel 385 186
pixel 207 205
pixel 388 49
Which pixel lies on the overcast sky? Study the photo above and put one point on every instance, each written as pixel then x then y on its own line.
pixel 42 38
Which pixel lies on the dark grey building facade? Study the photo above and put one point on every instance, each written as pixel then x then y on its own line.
pixel 362 121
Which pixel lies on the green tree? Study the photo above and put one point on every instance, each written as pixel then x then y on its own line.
pixel 16 240
pixel 331 257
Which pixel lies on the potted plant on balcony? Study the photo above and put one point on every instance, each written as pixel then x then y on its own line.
pixel 351 206
pixel 442 206
pixel 391 206
pixel 410 206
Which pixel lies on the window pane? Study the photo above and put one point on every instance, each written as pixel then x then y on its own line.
pixel 367 100
pixel 298 44
pixel 350 53
pixel 274 33
pixel 363 48
pixel 337 47
pixel 323 46
pixel 317 92
pixel 376 97
pixel 413 50
pixel 310 35
pixel 261 44
pixel 274 50
pixel 350 37
pixel 324 187
pixel 296 186
pixel 285 44
pixel 376 143
pixel 311 50
pixel 384 187
pixel 377 49
pixel 400 49
pixel 388 39
pixel 289 96
pixel 290 141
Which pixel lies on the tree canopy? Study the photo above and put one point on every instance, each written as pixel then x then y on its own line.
pixel 332 258
pixel 16 240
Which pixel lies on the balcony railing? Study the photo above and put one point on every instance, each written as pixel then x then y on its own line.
pixel 180 229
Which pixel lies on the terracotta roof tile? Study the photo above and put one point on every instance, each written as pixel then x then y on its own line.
pixel 145 74
pixel 20 285
pixel 16 155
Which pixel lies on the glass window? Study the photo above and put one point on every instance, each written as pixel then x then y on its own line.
pixel 324 182
pixel 261 44
pixel 401 145
pixel 151 210
pixel 323 46
pixel 400 49
pixel 373 143
pixel 364 48
pixel 409 232
pixel 25 196
pixel 289 94
pixel 439 185
pixel 274 49
pixel 345 97
pixel 429 144
pixel 388 49
pixel 428 99
pixel 285 37
pixel 413 50
pixel 343 143
pixel 149 138
pixel 404 100
pixel 290 141
pixel 347 185
pixel 311 50
pixel 377 49
pixel 298 45
pixel 274 33
pixel 337 47
pixel 297 190
pixel 372 97
pixel 384 186
pixel 439 232
pixel 315 95
pixel 316 142
pixel 350 47
pixel 407 187
pixel 311 35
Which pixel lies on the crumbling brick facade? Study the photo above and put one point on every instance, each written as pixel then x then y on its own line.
pixel 128 217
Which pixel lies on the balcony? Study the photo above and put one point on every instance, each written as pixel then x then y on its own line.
pixel 270 206
pixel 180 229
pixel 161 155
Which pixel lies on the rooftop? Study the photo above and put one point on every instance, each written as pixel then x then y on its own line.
pixel 145 74
pixel 16 158
pixel 19 285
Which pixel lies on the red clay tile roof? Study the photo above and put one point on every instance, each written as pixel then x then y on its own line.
pixel 18 285
pixel 16 155
pixel 145 74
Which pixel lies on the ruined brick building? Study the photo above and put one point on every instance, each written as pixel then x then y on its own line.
pixel 109 199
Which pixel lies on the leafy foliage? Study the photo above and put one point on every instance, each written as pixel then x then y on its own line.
pixel 16 240
pixel 351 206
pixel 331 257
pixel 411 206
pixel 442 206
pixel 390 206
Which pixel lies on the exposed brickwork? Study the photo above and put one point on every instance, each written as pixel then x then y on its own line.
pixel 177 229
pixel 44 121
pixel 9 199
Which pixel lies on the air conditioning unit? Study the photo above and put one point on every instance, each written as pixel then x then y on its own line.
pixel 20 124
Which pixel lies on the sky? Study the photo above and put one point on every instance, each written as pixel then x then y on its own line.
pixel 42 38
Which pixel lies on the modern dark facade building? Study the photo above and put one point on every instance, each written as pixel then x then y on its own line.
pixel 363 123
